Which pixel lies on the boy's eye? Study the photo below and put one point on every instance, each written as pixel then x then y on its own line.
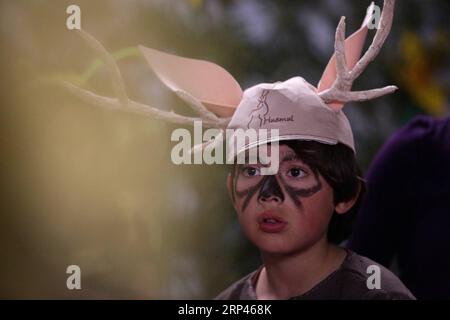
pixel 250 171
pixel 296 173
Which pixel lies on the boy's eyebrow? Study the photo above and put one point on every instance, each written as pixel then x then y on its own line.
pixel 289 157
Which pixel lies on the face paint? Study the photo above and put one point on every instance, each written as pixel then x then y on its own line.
pixel 269 186
pixel 249 192
pixel 297 193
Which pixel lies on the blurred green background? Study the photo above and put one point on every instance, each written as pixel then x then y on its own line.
pixel 96 188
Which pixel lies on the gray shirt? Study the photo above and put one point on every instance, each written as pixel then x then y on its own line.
pixel 349 281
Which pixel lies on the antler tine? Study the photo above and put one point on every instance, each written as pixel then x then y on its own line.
pixel 122 101
pixel 365 95
pixel 117 80
pixel 340 90
pixel 383 29
pixel 197 106
pixel 339 49
pixel 139 108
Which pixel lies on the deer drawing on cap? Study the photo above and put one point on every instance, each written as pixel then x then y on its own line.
pixel 262 109
pixel 217 97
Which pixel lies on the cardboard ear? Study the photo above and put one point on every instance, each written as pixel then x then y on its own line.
pixel 353 48
pixel 209 83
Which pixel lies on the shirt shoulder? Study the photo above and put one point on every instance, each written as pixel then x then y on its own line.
pixel 358 272
pixel 239 290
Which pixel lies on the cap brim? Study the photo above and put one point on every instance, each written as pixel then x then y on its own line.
pixel 231 156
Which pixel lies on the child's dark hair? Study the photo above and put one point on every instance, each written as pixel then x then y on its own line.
pixel 338 166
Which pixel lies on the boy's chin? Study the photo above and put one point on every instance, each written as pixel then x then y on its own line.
pixel 284 245
pixel 273 248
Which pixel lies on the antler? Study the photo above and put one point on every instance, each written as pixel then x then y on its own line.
pixel 340 90
pixel 123 102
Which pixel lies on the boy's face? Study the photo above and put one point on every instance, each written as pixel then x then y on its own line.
pixel 282 213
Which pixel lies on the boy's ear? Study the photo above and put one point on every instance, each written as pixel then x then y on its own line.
pixel 230 188
pixel 344 206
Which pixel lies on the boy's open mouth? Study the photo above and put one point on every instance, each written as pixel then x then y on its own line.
pixel 271 223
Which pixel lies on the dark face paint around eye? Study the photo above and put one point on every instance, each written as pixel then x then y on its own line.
pixel 269 186
pixel 297 193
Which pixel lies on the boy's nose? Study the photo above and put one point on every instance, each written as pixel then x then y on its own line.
pixel 271 190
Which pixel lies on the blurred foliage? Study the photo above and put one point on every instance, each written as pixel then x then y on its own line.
pixel 96 188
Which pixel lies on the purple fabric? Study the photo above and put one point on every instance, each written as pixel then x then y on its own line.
pixel 406 210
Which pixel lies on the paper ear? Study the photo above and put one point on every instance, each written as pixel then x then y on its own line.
pixel 353 48
pixel 209 83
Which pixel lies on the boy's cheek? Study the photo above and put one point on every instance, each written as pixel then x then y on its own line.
pixel 249 213
pixel 320 206
pixel 317 214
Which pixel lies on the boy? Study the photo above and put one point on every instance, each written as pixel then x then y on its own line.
pixel 287 217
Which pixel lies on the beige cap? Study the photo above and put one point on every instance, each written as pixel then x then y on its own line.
pixel 295 109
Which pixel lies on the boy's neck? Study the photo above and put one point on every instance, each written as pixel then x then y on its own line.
pixel 285 276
